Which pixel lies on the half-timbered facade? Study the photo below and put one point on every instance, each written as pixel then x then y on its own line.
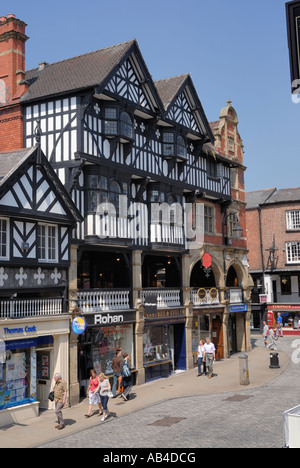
pixel 37 217
pixel 138 159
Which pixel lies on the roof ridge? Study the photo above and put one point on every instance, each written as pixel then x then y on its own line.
pixel 132 41
pixel 173 77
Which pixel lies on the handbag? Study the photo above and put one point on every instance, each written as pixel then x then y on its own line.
pixel 51 396
pixel 126 371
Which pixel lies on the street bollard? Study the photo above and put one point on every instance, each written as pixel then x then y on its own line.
pixel 274 361
pixel 244 370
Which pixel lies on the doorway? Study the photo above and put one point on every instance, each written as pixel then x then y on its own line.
pixel 232 340
pixel 179 347
pixel 217 336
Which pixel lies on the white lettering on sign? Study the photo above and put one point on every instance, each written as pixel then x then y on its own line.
pixel 106 319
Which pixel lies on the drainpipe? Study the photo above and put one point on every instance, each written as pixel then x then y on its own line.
pixel 261 253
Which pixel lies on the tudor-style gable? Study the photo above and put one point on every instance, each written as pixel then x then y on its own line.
pixel 32 189
pixel 182 105
pixel 36 213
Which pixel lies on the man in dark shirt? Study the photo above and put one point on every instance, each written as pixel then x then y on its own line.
pixel 117 368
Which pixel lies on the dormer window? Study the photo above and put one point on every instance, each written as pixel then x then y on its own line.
pixel 117 123
pixel 174 146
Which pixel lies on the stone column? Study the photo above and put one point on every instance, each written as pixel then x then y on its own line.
pixel 74 388
pixel 139 345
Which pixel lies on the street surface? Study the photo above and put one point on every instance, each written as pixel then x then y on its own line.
pixel 249 418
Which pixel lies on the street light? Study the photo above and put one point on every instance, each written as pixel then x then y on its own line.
pixel 236 228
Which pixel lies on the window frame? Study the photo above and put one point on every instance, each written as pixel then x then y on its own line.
pixel 7 243
pixel 289 253
pixel 47 247
pixel 291 225
pixel 172 145
pixel 114 126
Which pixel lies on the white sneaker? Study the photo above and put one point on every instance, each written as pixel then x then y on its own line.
pixel 103 419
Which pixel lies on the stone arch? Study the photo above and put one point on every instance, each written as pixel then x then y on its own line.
pixel 241 273
pixel 217 270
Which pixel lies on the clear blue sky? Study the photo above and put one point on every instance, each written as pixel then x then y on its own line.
pixel 233 49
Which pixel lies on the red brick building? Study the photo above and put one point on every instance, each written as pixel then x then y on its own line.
pixel 273 231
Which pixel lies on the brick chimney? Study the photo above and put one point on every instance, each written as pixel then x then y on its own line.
pixel 12 85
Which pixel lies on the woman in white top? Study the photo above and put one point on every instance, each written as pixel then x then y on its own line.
pixel 200 359
pixel 104 387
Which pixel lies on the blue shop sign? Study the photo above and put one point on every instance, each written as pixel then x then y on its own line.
pixel 79 325
pixel 238 308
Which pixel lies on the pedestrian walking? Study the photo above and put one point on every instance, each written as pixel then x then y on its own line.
pixel 209 354
pixel 60 398
pixel 127 377
pixel 280 325
pixel 104 387
pixel 273 340
pixel 201 362
pixel 117 370
pixel 93 393
pixel 265 333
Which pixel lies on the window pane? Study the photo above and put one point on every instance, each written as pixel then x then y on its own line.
pixel 181 147
pixel 168 137
pixel 3 238
pixel 42 242
pixel 110 127
pixel 168 150
pixel 126 125
pixel 51 243
pixel 110 113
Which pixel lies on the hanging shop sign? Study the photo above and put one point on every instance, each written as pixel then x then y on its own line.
pixel 79 325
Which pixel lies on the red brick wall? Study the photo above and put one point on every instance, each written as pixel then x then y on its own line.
pixel 11 128
pixel 12 68
pixel 273 221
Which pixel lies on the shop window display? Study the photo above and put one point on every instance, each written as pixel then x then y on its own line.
pixel 156 344
pixel 17 376
pixel 201 329
pixel 99 345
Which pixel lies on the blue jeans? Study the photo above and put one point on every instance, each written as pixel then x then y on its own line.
pixel 104 401
pixel 200 362
pixel 115 383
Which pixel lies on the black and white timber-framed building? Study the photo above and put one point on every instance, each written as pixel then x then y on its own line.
pixel 137 158
pixel 37 218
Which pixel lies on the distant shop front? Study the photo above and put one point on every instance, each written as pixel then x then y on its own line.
pixel 164 342
pixel 290 314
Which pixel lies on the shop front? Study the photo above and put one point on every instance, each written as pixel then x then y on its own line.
pixel 105 333
pixel 208 322
pixel 290 314
pixel 164 343
pixel 31 351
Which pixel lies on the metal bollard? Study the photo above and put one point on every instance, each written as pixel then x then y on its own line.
pixel 274 361
pixel 244 370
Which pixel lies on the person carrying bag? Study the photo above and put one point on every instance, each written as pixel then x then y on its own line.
pixel 127 377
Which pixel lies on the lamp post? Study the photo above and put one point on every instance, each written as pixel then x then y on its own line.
pixel 236 228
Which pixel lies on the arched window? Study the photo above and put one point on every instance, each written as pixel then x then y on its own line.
pixel 126 127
